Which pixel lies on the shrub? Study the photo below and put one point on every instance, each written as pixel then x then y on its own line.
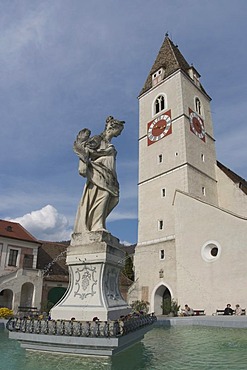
pixel 47 306
pixel 140 306
pixel 174 307
pixel 5 313
pixel 166 306
pixel 170 306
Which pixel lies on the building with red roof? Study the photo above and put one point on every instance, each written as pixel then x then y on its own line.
pixel 20 280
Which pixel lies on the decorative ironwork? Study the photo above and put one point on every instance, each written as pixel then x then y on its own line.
pixel 75 328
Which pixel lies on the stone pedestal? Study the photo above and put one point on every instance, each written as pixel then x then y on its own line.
pixel 94 262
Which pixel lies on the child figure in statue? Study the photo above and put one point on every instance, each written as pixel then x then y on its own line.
pixel 81 150
pixel 97 157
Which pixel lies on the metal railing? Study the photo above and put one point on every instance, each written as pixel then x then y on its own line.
pixel 75 328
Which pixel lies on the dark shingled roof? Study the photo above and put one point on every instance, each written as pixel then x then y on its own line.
pixel 124 280
pixel 170 58
pixel 242 183
pixel 14 230
pixel 129 249
pixel 52 259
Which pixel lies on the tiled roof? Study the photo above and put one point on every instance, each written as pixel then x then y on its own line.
pixel 124 280
pixel 171 59
pixel 14 230
pixel 129 249
pixel 57 278
pixel 242 183
pixel 52 260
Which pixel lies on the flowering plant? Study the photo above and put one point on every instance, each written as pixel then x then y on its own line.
pixel 5 313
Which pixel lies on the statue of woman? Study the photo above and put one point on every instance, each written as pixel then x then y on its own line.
pixel 97 157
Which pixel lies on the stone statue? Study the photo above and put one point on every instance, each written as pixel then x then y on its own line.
pixel 97 158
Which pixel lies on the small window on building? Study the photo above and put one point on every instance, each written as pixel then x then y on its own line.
pixel 28 261
pixel 159 104
pixel 161 273
pixel 158 76
pixel 214 251
pixel 203 191
pixel 198 106
pixel 160 158
pixel 202 157
pixel 211 251
pixel 13 254
pixel 163 192
pixel 161 224
pixel 162 254
pixel 176 154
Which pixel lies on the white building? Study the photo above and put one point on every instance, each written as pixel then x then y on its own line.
pixel 192 235
pixel 20 280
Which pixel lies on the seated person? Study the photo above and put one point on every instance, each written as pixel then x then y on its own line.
pixel 228 310
pixel 188 311
pixel 238 310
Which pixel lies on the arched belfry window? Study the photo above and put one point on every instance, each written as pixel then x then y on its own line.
pixel 159 104
pixel 198 106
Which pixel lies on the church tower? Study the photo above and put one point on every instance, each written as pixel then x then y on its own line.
pixel 176 144
pixel 187 201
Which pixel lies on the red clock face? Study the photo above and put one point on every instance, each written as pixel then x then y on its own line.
pixel 196 125
pixel 159 128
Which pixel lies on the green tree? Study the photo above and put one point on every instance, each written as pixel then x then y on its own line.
pixel 128 268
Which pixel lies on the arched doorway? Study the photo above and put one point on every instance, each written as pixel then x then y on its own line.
pixel 6 298
pixel 27 295
pixel 166 303
pixel 162 300
pixel 55 294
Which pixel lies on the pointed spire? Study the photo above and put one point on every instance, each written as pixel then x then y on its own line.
pixel 170 59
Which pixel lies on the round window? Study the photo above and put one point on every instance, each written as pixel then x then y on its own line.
pixel 214 251
pixel 211 251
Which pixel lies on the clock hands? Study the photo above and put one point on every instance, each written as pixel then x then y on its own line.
pixel 196 125
pixel 160 127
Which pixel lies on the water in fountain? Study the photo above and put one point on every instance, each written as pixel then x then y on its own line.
pixel 48 267
pixel 180 348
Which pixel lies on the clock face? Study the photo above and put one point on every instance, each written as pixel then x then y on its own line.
pixel 196 125
pixel 159 128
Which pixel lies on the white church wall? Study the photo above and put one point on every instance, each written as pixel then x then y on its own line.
pixel 204 281
pixel 231 197
pixel 153 206
pixel 151 271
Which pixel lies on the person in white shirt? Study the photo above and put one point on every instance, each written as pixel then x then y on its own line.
pixel 238 310
pixel 188 311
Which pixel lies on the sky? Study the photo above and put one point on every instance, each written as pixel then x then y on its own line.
pixel 69 64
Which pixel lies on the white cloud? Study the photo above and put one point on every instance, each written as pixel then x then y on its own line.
pixel 46 224
pixel 122 215
pixel 126 243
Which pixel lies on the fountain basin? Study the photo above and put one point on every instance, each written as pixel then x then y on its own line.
pixel 81 338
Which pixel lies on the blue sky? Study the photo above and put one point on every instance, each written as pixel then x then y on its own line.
pixel 68 64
